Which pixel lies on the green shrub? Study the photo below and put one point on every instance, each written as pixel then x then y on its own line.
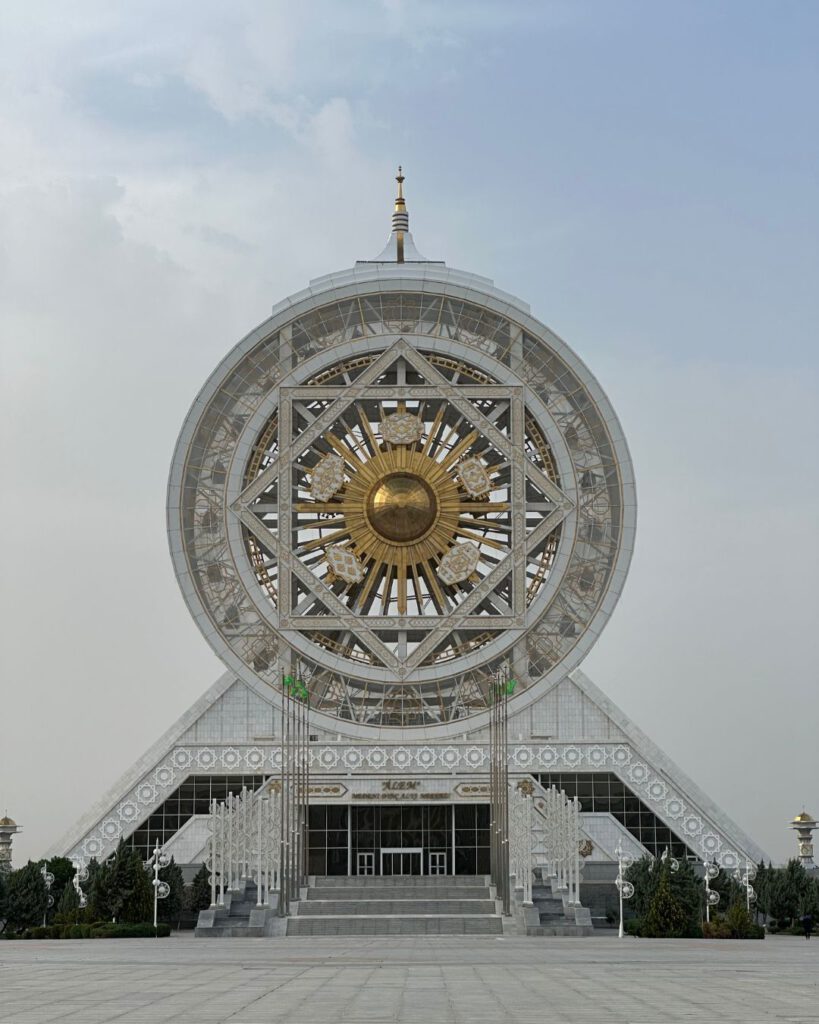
pixel 142 930
pixel 735 924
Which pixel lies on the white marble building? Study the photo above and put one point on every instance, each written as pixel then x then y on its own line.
pixel 399 488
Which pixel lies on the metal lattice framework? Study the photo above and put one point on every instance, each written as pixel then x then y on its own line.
pixel 409 491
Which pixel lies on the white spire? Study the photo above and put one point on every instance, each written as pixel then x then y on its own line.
pixel 400 247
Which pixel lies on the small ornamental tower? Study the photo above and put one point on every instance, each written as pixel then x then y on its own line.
pixel 7 830
pixel 805 825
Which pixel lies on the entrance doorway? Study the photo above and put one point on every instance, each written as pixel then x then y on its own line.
pixel 348 839
pixel 437 864
pixel 366 864
pixel 402 861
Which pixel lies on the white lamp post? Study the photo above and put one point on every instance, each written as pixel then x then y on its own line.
pixel 673 863
pixel 710 872
pixel 48 878
pixel 745 876
pixel 161 889
pixel 80 876
pixel 625 888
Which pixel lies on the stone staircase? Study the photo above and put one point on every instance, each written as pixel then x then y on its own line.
pixel 555 918
pixel 239 917
pixel 397 905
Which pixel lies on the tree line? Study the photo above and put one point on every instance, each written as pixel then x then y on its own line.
pixel 669 901
pixel 118 890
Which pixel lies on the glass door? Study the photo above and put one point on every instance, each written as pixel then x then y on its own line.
pixel 437 863
pixel 398 861
pixel 366 864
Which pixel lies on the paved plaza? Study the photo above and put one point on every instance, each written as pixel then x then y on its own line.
pixel 423 980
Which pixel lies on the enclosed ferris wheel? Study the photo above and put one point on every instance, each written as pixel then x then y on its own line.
pixel 401 484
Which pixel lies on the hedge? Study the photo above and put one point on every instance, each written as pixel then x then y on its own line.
pixel 98 930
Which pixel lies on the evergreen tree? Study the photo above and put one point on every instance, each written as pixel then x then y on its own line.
pixel 644 878
pixel 689 891
pixel 117 880
pixel 197 894
pixel 683 885
pixel 762 888
pixel 67 911
pixel 101 905
pixel 3 891
pixel 666 917
pixel 133 892
pixel 170 909
pixel 809 902
pixel 730 891
pixel 788 888
pixel 26 897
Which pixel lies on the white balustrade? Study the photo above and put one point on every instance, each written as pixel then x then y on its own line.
pixel 245 837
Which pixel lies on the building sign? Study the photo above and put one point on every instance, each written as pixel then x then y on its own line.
pixel 472 789
pixel 391 797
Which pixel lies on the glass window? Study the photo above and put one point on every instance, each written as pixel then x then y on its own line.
pixel 610 794
pixel 337 862
pixel 318 816
pixel 465 816
pixel 336 817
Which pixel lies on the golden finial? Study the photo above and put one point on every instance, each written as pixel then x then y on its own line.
pixel 400 220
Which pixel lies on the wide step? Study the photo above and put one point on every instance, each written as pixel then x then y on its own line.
pixel 397 905
pixel 398 893
pixel 361 925
pixel 373 906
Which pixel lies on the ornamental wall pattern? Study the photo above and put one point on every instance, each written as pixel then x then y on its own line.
pixel 667 801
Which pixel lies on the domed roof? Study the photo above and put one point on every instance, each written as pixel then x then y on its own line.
pixel 6 820
pixel 804 817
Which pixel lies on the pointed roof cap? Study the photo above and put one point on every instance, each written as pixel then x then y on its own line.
pixel 400 247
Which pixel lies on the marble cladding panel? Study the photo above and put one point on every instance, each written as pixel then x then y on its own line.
pixel 238 716
pixel 605 831
pixel 187 845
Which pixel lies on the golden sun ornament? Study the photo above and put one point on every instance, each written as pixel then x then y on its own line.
pixel 391 532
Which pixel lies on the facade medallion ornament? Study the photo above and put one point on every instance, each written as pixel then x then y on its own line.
pixel 474 478
pixel 327 478
pixel 402 428
pixel 345 565
pixel 458 563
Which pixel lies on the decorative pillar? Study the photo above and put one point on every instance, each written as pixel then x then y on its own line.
pixel 805 825
pixel 214 839
pixel 8 829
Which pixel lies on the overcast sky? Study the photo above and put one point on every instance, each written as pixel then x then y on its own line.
pixel 644 174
